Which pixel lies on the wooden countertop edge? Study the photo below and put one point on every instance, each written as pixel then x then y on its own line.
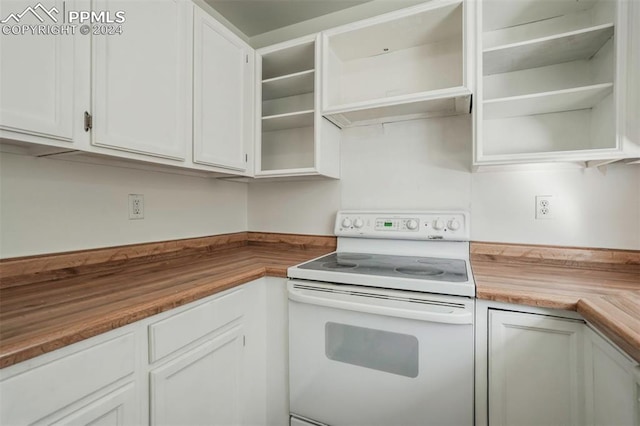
pixel 528 298
pixel 618 332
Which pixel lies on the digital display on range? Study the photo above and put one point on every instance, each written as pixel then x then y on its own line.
pixel 388 224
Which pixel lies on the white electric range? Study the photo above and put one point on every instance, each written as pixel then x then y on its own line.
pixel 381 331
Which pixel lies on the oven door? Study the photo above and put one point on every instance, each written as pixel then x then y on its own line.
pixel 361 356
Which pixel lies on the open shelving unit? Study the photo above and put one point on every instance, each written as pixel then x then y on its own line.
pixel 403 65
pixel 289 142
pixel 551 81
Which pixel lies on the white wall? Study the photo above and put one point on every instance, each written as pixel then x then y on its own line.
pixel 49 205
pixel 424 164
pixel 593 208
pixel 417 164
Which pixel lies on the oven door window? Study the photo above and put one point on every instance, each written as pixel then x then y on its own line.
pixel 381 350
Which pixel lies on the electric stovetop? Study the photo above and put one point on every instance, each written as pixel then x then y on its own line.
pixel 421 268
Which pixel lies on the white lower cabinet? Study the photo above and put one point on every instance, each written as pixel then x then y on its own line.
pixel 117 408
pixel 538 366
pixel 203 386
pixel 637 393
pixel 205 363
pixel 611 385
pixel 535 366
pixel 90 383
pixel 197 378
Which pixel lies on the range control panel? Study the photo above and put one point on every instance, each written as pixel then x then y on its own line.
pixel 437 225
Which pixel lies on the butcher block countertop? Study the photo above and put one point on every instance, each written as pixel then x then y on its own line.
pixel 602 285
pixel 47 302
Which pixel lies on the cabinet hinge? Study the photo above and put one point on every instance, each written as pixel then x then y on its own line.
pixel 88 121
pixel 244 340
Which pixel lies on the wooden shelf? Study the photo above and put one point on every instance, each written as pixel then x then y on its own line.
pixel 290 120
pixel 540 52
pixel 436 103
pixel 548 102
pixel 288 85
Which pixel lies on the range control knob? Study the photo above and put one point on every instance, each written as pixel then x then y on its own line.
pixel 454 225
pixel 438 224
pixel 346 222
pixel 358 223
pixel 412 224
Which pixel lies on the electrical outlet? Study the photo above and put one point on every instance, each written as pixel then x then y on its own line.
pixel 136 206
pixel 545 207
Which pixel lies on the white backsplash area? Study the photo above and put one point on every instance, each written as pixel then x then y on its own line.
pixel 50 205
pixel 424 164
pixel 592 208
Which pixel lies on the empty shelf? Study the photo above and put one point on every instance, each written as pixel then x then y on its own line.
pixel 288 85
pixel 540 52
pixel 290 60
pixel 291 120
pixel 436 103
pixel 547 102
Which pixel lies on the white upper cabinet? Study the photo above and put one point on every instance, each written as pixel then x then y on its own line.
pixel 551 81
pixel 142 79
pixel 223 95
pixel 294 139
pixel 414 63
pixel 40 75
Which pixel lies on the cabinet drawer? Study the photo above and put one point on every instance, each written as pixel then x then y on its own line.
pixel 179 330
pixel 41 391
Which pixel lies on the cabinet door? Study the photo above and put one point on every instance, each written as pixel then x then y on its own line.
pixel 36 72
pixel 141 79
pixel 81 383
pixel 115 409
pixel 610 384
pixel 535 370
pixel 222 83
pixel 202 386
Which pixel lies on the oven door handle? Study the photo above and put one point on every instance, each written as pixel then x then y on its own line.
pixel 421 311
